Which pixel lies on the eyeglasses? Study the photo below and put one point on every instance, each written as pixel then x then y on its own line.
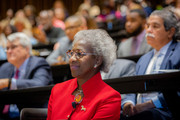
pixel 78 54
pixel 71 27
pixel 11 47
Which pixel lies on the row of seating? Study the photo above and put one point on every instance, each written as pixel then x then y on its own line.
pixel 131 84
pixel 37 96
pixel 145 83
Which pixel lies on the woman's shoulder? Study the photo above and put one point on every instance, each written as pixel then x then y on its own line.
pixel 110 92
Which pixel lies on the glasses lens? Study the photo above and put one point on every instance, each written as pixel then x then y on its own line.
pixel 78 54
pixel 69 53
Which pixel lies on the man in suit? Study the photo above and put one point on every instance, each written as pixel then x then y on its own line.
pixel 73 24
pixel 22 70
pixel 162 35
pixel 135 27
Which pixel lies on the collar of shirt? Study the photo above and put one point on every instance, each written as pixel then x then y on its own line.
pixel 160 57
pixel 22 68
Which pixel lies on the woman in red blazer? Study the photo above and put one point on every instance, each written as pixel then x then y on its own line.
pixel 87 97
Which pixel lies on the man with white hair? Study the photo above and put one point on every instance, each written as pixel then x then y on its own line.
pixel 22 70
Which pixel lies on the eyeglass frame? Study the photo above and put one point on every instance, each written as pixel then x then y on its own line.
pixel 12 47
pixel 72 27
pixel 77 56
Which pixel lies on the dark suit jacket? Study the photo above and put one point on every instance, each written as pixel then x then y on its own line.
pixel 171 61
pixel 38 73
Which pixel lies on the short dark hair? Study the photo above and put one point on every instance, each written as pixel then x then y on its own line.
pixel 141 12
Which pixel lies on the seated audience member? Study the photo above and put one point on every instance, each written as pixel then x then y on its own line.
pixel 73 24
pixel 135 27
pixel 22 70
pixel 86 96
pixel 58 19
pixel 162 34
pixel 60 4
pixel 7 30
pixel 9 16
pixel 108 13
pixel 48 33
pixel 2 53
pixel 2 45
pixel 21 22
pixel 30 12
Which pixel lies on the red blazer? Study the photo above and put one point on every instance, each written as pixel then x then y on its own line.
pixel 100 101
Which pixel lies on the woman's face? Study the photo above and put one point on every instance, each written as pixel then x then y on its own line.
pixel 7 30
pixel 83 67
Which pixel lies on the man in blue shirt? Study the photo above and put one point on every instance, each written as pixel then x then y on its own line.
pixel 162 34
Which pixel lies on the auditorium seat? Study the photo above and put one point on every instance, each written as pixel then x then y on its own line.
pixel 33 114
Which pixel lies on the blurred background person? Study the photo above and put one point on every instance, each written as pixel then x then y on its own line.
pixel 7 30
pixel 59 17
pixel 30 12
pixel 73 24
pixel 9 16
pixel 60 4
pixel 133 4
pixel 48 34
pixel 107 15
pixel 21 23
pixel 84 10
pixel 174 6
pixel 2 44
pixel 135 27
